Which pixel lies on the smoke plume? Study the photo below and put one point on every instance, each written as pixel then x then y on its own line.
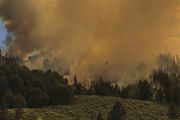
pixel 118 39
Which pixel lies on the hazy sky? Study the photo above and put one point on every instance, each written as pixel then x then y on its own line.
pixel 3 34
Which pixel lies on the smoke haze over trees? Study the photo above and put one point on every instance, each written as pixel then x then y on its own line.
pixel 82 36
pixel 120 48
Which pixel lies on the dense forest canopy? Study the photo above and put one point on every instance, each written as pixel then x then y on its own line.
pixel 21 87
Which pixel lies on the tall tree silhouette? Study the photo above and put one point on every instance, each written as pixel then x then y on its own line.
pixel 118 112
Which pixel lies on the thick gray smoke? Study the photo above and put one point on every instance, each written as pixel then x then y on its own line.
pixel 94 37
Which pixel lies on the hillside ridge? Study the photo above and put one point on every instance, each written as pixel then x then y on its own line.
pixel 87 108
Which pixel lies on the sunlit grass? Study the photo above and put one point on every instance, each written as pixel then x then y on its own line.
pixel 87 107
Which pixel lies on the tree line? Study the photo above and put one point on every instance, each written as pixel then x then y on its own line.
pixel 21 87
pixel 163 84
pixel 161 88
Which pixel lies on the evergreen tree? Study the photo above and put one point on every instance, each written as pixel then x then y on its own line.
pixel 118 112
pixel 144 90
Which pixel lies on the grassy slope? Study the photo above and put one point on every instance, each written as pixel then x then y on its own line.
pixel 87 106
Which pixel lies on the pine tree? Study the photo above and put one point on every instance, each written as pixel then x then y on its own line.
pixel 118 112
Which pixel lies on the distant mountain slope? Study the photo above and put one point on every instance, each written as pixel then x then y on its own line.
pixel 87 107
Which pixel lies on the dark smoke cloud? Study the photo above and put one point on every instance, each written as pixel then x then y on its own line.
pixel 87 34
